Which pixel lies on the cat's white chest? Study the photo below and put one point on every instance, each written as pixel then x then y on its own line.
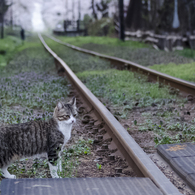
pixel 66 130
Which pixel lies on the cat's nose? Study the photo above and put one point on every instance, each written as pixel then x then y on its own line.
pixel 72 121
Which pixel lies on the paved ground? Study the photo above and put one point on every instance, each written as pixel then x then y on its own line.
pixel 80 186
pixel 182 158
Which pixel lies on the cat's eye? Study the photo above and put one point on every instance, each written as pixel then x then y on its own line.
pixel 74 115
pixel 67 116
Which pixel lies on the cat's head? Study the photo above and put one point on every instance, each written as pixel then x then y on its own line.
pixel 66 112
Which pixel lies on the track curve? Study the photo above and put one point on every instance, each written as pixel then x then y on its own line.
pixel 185 87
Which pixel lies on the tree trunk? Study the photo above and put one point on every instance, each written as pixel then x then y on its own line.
pixel 134 17
pixel 166 16
pixel 2 18
pixel 121 19
pixel 2 27
pixel 93 8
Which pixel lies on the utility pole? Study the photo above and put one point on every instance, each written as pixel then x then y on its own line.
pixel 66 16
pixel 121 20
pixel 11 10
pixel 73 16
pixel 66 9
pixel 2 18
pixel 79 18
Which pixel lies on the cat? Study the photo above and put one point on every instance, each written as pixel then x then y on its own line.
pixel 35 137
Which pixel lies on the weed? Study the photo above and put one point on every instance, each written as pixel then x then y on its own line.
pixel 29 90
pixel 176 127
pixel 99 166
pixel 70 156
pixel 77 61
pixel 123 86
pixel 163 140
pixel 40 91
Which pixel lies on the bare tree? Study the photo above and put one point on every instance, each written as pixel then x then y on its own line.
pixel 93 9
pixel 103 7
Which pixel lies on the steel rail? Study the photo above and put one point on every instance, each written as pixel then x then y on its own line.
pixel 132 152
pixel 184 86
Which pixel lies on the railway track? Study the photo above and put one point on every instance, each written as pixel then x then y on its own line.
pixel 186 88
pixel 142 165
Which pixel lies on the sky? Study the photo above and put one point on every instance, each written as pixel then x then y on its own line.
pixel 38 15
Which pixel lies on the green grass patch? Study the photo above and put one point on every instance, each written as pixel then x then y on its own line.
pixel 77 61
pixel 182 71
pixel 80 40
pixel 134 51
pixel 29 90
pixel 168 130
pixel 30 83
pixel 70 157
pixel 124 86
pixel 8 45
pixel 186 52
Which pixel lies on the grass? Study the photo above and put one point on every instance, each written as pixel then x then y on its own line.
pixel 169 63
pixel 29 90
pixel 78 61
pixel 134 51
pixel 80 40
pixel 39 166
pixel 70 157
pixel 114 85
pixel 124 86
pixel 186 52
pixel 126 91
pixel 35 98
pixel 168 130
pixel 182 71
pixel 40 91
pixel 8 46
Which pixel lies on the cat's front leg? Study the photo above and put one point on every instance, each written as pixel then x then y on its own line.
pixel 6 174
pixel 54 161
pixel 53 170
pixel 59 164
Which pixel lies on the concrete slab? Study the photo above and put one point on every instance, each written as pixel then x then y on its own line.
pixel 80 186
pixel 182 158
pixel 170 151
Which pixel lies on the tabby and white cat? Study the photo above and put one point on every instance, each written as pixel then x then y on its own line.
pixel 35 137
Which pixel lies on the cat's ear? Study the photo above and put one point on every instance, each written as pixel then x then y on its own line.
pixel 59 105
pixel 73 101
